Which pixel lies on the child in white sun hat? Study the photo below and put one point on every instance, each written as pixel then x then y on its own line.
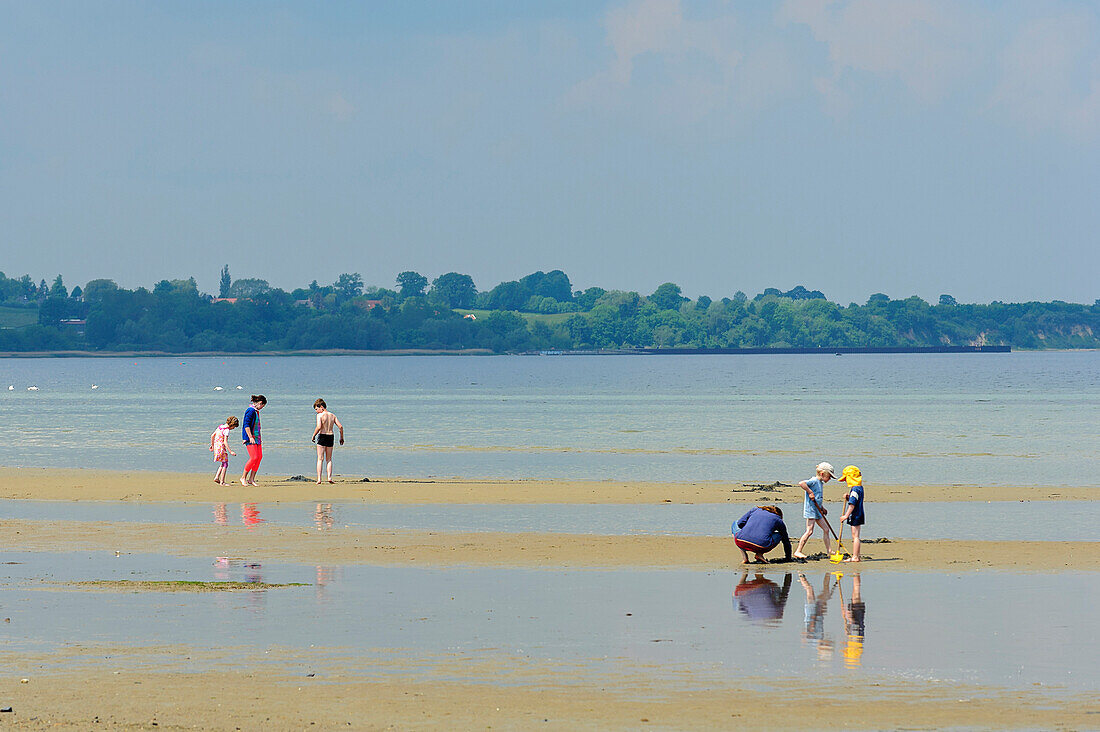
pixel 812 509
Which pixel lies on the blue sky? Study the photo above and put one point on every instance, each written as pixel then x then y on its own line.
pixel 855 146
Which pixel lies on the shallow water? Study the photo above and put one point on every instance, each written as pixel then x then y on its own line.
pixel 984 419
pixel 993 521
pixel 1004 628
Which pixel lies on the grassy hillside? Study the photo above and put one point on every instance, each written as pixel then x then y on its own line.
pixel 531 318
pixel 17 317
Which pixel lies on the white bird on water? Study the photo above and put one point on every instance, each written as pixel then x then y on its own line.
pixel 32 388
pixel 11 388
pixel 95 386
pixel 218 388
pixel 239 387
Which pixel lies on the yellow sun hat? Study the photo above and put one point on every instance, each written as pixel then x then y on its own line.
pixel 852 476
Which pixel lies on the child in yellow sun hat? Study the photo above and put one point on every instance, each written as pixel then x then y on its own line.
pixel 853 506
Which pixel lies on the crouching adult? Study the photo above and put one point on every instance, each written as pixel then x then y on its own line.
pixel 759 531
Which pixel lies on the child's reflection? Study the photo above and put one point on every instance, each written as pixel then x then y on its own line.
pixel 760 599
pixel 816 605
pixel 322 516
pixel 854 627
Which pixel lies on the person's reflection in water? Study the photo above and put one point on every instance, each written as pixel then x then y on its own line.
pixel 221 518
pixel 324 577
pixel 816 604
pixel 250 514
pixel 760 599
pixel 854 627
pixel 322 516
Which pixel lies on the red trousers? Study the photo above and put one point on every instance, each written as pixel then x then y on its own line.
pixel 255 455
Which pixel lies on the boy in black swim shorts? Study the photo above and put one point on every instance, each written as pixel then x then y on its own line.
pixel 322 435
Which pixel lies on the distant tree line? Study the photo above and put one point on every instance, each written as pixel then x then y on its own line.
pixel 538 312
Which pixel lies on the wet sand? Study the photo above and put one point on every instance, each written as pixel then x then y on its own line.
pixel 86 686
pixel 102 485
pixel 496 549
pixel 145 689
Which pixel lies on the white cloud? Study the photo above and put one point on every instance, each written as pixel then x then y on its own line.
pixel 926 45
pixel 1050 76
pixel 671 66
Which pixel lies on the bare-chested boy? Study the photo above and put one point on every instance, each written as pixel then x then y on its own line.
pixel 323 436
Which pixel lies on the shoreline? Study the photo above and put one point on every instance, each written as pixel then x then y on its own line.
pixel 236 354
pixel 79 484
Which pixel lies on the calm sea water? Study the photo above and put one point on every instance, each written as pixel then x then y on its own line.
pixel 988 419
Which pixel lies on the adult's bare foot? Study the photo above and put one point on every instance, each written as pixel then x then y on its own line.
pixel 853 559
pixel 799 555
pixel 244 482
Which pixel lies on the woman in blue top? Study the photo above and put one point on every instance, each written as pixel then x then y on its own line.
pixel 250 432
pixel 761 530
pixel 812 509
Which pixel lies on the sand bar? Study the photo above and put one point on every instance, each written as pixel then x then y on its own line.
pixel 130 688
pixel 103 485
pixel 495 549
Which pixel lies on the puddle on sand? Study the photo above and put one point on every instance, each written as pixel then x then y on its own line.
pixel 996 521
pixel 1001 628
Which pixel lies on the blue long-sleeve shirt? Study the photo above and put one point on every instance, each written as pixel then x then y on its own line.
pixel 762 528
pixel 251 421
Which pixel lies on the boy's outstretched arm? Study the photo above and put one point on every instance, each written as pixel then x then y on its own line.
pixel 336 421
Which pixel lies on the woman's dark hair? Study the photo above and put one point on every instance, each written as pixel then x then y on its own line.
pixel 259 398
pixel 772 509
pixel 320 403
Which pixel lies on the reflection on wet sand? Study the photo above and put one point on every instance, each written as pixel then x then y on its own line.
pixel 853 622
pixel 816 605
pixel 761 600
pixel 322 516
pixel 250 514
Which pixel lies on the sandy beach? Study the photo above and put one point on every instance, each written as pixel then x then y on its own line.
pixel 282 694
pixel 492 549
pixel 176 687
pixel 104 485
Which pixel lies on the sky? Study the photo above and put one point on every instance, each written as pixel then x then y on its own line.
pixel 855 147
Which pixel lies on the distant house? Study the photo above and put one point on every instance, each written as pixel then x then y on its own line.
pixel 304 303
pixel 470 316
pixel 368 304
pixel 76 324
pixel 230 300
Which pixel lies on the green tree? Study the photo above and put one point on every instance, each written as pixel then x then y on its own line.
pixel 454 290
pixel 58 289
pixel 667 297
pixel 248 287
pixel 948 300
pixel 412 284
pixel 348 286
pixel 507 296
pixel 587 300
pixel 226 282
pixel 95 290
